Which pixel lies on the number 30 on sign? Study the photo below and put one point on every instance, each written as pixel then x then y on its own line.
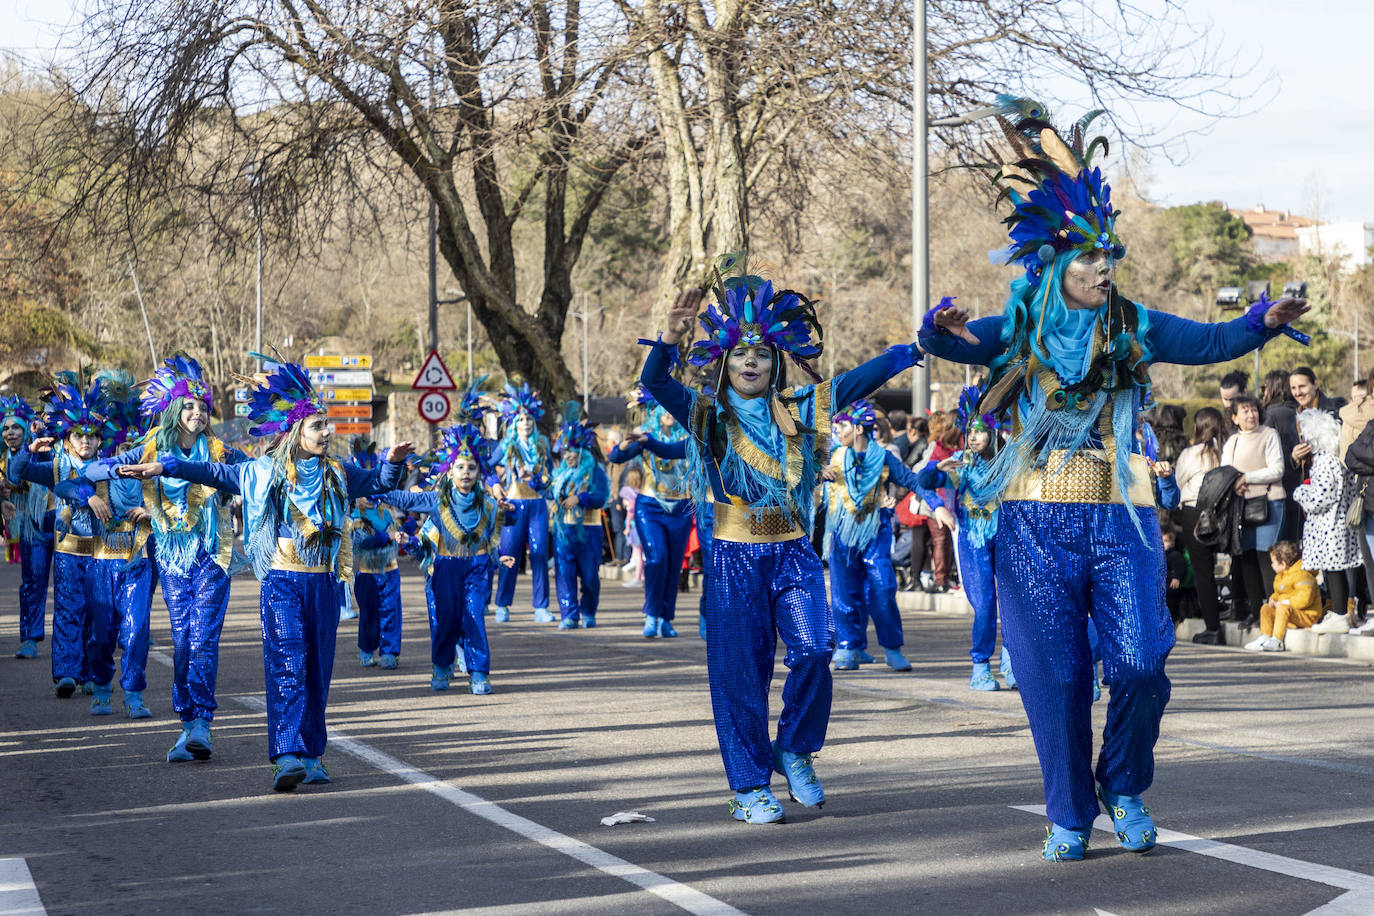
pixel 434 406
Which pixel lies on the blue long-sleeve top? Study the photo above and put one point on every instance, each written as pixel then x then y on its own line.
pixel 374 550
pixel 61 474
pixel 597 492
pixel 856 522
pixel 1169 496
pixel 447 532
pixel 665 480
pixel 628 451
pixel 813 405
pixel 35 505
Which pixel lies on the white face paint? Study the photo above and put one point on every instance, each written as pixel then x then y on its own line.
pixel 844 430
pixel 464 473
pixel 12 433
pixel 195 416
pixel 750 370
pixel 524 425
pixel 977 439
pixel 315 435
pixel 1088 280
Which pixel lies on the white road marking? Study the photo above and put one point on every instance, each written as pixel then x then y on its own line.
pixel 1359 900
pixel 18 894
pixel 680 895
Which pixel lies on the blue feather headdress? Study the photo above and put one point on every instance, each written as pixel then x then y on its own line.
pixel 68 410
pixel 180 376
pixel 746 315
pixel 473 403
pixel 967 414
pixel 1060 202
pixel 861 413
pixel 462 440
pixel 281 398
pixel 574 432
pixel 520 398
pixel 16 406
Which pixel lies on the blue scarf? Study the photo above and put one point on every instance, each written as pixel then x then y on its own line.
pixel 466 508
pixel 264 512
pixel 530 453
pixel 860 475
pixel 570 481
pixel 973 476
pixel 177 550
pixel 1069 342
pixel 669 473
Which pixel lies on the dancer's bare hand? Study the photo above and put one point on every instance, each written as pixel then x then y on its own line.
pixel 635 437
pixel 1163 469
pixel 681 315
pixel 830 472
pixel 889 502
pixel 138 514
pixel 99 508
pixel 945 517
pixel 42 444
pixel 948 464
pixel 140 471
pixel 1285 311
pixel 955 321
pixel 400 452
pixel 508 562
pixel 569 502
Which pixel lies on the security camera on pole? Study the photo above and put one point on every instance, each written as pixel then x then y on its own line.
pixel 433 380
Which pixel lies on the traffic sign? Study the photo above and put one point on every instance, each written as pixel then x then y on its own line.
pixel 433 406
pixel 351 361
pixel 347 394
pixel 242 410
pixel 240 394
pixel 340 378
pixel 351 429
pixel 433 375
pixel 349 411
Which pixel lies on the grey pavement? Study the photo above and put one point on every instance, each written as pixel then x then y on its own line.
pixel 1267 756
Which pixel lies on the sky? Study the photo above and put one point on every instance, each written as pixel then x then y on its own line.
pixel 1305 144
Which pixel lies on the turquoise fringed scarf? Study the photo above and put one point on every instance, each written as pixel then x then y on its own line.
pixel 861 474
pixel 177 550
pixel 570 480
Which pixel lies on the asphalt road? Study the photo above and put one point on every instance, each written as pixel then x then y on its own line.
pixel 445 802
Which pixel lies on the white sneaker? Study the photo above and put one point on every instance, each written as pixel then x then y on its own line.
pixel 1272 644
pixel 1256 644
pixel 1367 629
pixel 1332 623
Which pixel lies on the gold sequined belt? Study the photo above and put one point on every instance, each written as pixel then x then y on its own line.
pixel 745 525
pixel 522 490
pixel 287 560
pixel 76 545
pixel 375 570
pixel 1088 477
pixel 592 517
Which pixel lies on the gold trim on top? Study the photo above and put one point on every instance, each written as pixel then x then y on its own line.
pixel 745 525
pixel 522 490
pixel 287 560
pixel 1088 477
pixel 75 545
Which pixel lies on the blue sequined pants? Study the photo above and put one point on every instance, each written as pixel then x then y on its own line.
pixel 300 622
pixel 980 588
pixel 85 617
pixel 379 611
pixel 134 605
pixel 457 590
pixel 528 526
pixel 578 563
pixel 1058 566
pixel 756 593
pixel 863 585
pixel 35 563
pixel 663 537
pixel 195 608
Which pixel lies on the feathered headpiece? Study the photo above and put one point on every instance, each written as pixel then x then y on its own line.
pixel 574 432
pixel 68 410
pixel 462 440
pixel 16 406
pixel 1060 202
pixel 520 398
pixel 861 413
pixel 473 403
pixel 748 312
pixel 967 414
pixel 179 376
pixel 281 398
pixel 364 452
pixel 123 422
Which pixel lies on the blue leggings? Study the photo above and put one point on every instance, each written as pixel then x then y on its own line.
pixel 300 624
pixel 457 590
pixel 578 563
pixel 528 526
pixel 134 605
pixel 35 563
pixel 980 588
pixel 863 585
pixel 663 536
pixel 195 606
pixel 378 596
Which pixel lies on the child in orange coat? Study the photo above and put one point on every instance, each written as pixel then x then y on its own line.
pixel 1296 602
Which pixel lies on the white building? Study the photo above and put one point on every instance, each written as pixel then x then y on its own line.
pixel 1350 242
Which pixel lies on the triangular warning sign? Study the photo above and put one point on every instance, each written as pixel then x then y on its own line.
pixel 434 375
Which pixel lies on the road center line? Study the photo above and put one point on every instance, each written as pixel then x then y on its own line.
pixel 18 893
pixel 680 895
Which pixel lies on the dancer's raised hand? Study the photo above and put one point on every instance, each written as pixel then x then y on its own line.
pixel 681 315
pixel 954 320
pixel 1284 311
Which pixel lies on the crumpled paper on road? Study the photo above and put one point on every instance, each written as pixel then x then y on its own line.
pixel 626 817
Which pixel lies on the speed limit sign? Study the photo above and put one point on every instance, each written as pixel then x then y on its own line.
pixel 433 406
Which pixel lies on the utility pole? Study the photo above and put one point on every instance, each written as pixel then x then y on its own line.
pixel 920 204
pixel 153 351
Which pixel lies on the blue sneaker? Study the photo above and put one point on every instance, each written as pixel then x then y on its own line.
pixel 588 621
pixel 864 658
pixel 345 613
pixel 896 660
pixel 802 784
pixel 982 678
pixel 665 628
pixel 315 773
pixel 1007 674
pixel 179 753
pixel 439 681
pixel 757 806
pixel 1063 844
pixel 100 701
pixel 287 772
pixel 367 659
pixel 567 623
pixel 542 615
pixel 88 688
pixel 845 660
pixel 479 684
pixel 503 615
pixel 27 649
pixel 133 705
pixel 389 662
pixel 65 687
pixel 650 627
pixel 198 739
pixel 1135 829
pixel 1097 690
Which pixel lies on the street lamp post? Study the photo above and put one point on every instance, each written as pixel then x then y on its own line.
pixel 585 317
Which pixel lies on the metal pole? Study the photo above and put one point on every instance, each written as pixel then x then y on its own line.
pixel 433 301
pixel 586 406
pixel 1357 345
pixel 469 341
pixel 259 281
pixel 147 327
pixel 920 254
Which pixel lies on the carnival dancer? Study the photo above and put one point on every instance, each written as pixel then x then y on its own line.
pixel 663 512
pixel 296 500
pixel 97 535
pixel 377 584
pixel 755 454
pixel 974 524
pixel 579 490
pixel 456 545
pixel 523 459
pixel 29 513
pixel 1078 536
pixel 859 534
pixel 192 540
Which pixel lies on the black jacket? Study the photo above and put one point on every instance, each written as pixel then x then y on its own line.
pixel 1220 510
pixel 1359 460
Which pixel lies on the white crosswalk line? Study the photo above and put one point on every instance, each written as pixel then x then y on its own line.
pixel 18 894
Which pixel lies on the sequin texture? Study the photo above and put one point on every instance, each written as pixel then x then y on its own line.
pixel 663 535
pixel 378 597
pixel 300 623
pixel 35 563
pixel 863 585
pixel 528 526
pixel 133 608
pixel 975 574
pixel 457 591
pixel 577 569
pixel 195 607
